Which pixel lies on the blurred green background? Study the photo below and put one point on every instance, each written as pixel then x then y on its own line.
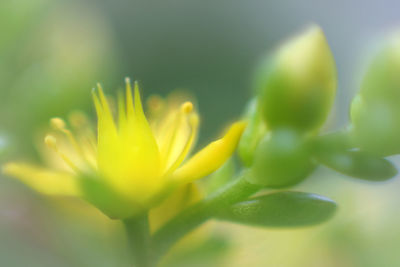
pixel 53 52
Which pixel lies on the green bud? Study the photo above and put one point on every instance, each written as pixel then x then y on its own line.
pixel 297 84
pixel 282 158
pixel 382 79
pixel 375 111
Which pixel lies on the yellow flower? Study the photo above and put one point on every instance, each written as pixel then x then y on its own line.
pixel 133 165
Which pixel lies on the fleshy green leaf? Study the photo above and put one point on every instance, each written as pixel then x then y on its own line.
pixel 359 164
pixel 281 209
pixel 334 141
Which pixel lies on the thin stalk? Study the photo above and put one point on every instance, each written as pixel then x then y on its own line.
pixel 137 230
pixel 190 218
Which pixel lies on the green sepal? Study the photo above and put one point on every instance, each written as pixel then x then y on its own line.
pixel 251 136
pixel 358 164
pixel 281 209
pixel 98 193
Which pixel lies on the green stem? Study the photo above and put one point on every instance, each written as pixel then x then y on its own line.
pixel 192 217
pixel 137 230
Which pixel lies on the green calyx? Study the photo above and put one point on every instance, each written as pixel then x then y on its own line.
pixel 255 130
pixel 99 194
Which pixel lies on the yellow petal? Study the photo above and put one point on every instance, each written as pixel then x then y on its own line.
pixel 106 130
pixel 43 180
pixel 129 161
pixel 211 157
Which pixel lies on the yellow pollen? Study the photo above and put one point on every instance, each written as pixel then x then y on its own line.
pixel 57 124
pixel 51 141
pixel 187 107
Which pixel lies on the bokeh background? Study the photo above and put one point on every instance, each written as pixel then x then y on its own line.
pixel 53 52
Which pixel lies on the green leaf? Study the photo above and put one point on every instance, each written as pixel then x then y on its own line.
pixel 358 164
pixel 334 141
pixel 253 133
pixel 281 209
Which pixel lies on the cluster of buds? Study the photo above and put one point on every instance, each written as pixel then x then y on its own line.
pixel 295 91
pixel 295 88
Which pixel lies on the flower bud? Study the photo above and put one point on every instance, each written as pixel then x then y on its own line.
pixel 297 84
pixel 282 158
pixel 375 111
pixel 382 79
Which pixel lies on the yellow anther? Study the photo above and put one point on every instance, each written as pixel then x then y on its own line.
pixel 187 107
pixel 51 141
pixel 57 124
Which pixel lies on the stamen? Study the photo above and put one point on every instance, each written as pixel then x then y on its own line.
pixel 187 107
pixel 185 113
pixel 59 124
pixel 81 124
pixel 193 123
pixel 51 142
